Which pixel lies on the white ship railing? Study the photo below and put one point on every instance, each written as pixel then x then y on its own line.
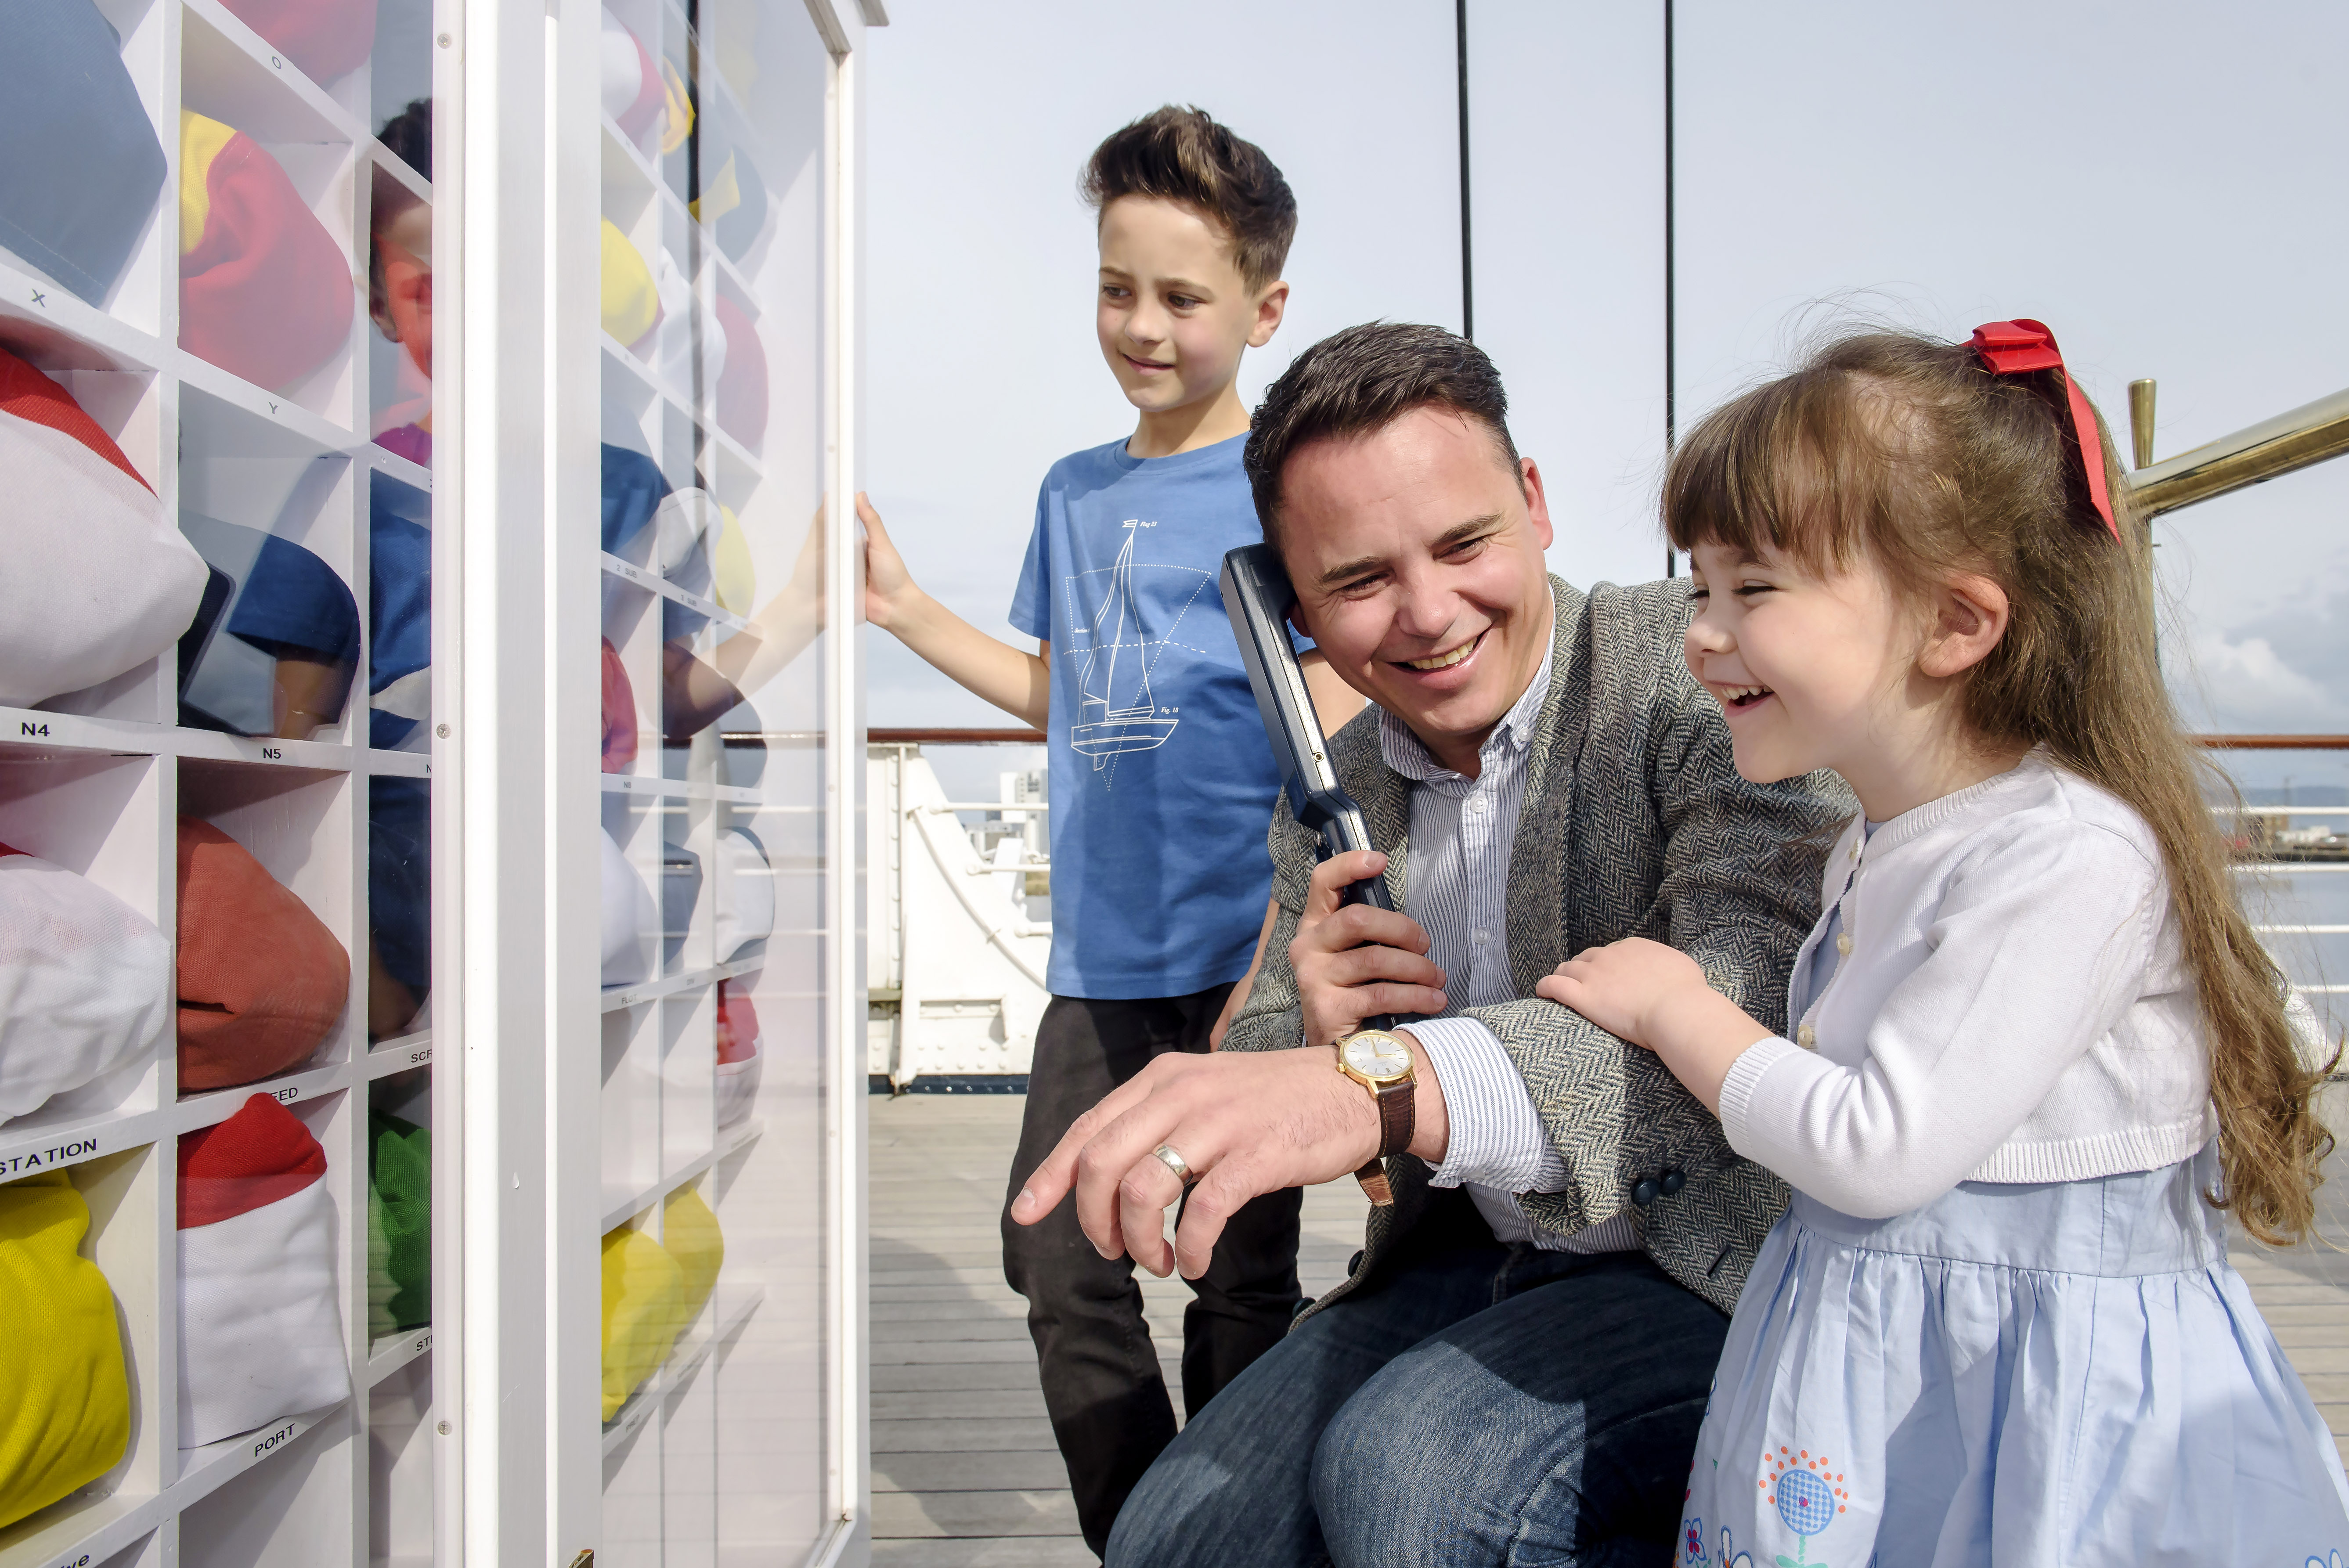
pixel 955 967
pixel 2289 941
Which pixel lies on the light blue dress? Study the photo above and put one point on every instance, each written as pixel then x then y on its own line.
pixel 2058 1373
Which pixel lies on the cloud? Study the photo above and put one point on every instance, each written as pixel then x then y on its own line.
pixel 2243 684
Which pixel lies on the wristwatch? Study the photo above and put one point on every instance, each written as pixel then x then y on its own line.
pixel 1380 1063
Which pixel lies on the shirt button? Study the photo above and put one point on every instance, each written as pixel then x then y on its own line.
pixel 1842 943
pixel 1854 852
pixel 1808 1038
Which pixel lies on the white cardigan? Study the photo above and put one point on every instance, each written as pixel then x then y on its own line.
pixel 2013 1006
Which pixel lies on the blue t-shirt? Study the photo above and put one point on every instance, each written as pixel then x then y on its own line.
pixel 1163 781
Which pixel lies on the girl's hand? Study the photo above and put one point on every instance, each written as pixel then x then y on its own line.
pixel 1656 996
pixel 1623 986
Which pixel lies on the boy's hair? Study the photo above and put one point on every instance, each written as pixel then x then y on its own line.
pixel 1360 380
pixel 408 136
pixel 1906 453
pixel 1182 155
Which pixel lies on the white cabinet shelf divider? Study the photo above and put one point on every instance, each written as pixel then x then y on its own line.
pixel 393 1351
pixel 722 1318
pixel 730 1140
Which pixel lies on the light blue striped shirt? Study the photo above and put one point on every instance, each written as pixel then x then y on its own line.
pixel 1455 886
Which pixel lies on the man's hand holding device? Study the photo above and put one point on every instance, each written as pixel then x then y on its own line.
pixel 1357 962
pixel 1243 1124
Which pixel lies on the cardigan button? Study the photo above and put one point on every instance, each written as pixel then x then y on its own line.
pixel 1671 1183
pixel 1644 1191
pixel 1808 1038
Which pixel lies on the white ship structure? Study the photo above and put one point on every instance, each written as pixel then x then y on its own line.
pixel 955 962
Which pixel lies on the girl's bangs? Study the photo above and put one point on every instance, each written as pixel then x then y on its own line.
pixel 1786 468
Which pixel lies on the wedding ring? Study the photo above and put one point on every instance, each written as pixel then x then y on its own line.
pixel 1174 1163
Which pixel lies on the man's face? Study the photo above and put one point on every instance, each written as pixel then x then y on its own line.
pixel 1173 312
pixel 1416 552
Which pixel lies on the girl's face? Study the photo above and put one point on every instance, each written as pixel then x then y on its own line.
pixel 1811 672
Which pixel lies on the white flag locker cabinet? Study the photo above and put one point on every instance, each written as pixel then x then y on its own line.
pixel 569 1117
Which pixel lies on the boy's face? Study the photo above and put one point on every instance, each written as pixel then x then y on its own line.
pixel 1174 314
pixel 405 245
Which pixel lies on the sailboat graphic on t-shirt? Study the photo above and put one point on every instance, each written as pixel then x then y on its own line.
pixel 1115 710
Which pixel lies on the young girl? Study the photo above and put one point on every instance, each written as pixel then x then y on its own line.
pixel 2037 1047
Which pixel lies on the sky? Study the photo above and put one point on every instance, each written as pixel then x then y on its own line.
pixel 2158 182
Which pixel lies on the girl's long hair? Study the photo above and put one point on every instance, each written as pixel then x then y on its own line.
pixel 1893 448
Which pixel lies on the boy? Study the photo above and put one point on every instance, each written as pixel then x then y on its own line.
pixel 1162 777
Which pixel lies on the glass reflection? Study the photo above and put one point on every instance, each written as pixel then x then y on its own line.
pixel 399 288
pixel 399 905
pixel 712 531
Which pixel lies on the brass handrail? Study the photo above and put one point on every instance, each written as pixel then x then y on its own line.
pixel 2273 742
pixel 880 736
pixel 917 736
pixel 2306 434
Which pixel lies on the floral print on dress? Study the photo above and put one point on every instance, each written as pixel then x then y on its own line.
pixel 1808 1493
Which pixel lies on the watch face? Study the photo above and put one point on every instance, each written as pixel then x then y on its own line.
pixel 1376 1055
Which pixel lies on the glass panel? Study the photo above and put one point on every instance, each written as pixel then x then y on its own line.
pixel 712 752
pixel 397 1131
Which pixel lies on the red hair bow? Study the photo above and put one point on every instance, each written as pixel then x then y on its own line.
pixel 2019 347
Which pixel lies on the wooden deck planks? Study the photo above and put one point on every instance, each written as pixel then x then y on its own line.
pixel 964 1472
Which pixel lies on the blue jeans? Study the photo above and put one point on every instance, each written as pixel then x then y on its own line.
pixel 1488 1405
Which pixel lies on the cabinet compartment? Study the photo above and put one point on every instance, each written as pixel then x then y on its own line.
pixel 281 1512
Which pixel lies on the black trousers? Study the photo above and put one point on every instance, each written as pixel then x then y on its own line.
pixel 1102 1388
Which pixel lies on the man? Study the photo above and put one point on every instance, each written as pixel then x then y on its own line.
pixel 1516 1365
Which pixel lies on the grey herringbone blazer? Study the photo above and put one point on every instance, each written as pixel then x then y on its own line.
pixel 1635 823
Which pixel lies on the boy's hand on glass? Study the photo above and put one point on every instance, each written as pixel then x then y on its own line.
pixel 888 585
pixel 1017 682
pixel 1656 996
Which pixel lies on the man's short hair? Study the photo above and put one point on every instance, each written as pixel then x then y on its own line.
pixel 1182 155
pixel 1362 380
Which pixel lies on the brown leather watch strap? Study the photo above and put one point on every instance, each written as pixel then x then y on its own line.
pixel 1398 1116
pixel 1397 1120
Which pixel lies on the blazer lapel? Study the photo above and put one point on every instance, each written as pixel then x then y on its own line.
pixel 1386 811
pixel 1538 885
